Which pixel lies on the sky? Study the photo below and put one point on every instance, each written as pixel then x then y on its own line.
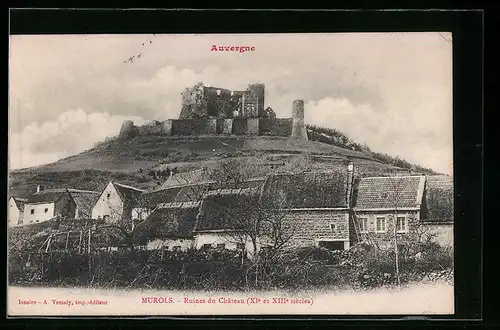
pixel 392 91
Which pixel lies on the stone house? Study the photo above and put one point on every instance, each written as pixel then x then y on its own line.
pixel 314 205
pixel 115 204
pixel 16 211
pixel 385 206
pixel 226 218
pixel 47 204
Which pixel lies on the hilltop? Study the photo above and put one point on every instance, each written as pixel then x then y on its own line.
pixel 131 161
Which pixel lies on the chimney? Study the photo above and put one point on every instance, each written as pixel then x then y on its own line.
pixel 350 181
pixel 39 188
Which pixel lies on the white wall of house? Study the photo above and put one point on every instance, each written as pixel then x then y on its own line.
pixel 36 213
pixel 109 205
pixel 171 244
pixel 230 241
pixel 140 213
pixel 14 213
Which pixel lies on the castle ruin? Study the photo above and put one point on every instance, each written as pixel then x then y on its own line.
pixel 208 110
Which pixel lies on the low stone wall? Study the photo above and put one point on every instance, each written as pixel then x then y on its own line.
pixel 203 126
pixel 276 127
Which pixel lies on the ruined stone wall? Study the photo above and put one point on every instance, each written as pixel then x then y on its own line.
pixel 210 126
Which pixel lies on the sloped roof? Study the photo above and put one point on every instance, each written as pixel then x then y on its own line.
pixel 85 201
pixel 438 198
pixel 47 196
pixel 153 198
pixel 181 193
pixel 227 209
pixel 326 189
pixel 170 220
pixel 20 203
pixel 183 178
pixel 390 192
pixel 128 193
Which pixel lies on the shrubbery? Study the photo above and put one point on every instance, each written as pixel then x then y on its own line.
pixel 339 139
pixel 300 268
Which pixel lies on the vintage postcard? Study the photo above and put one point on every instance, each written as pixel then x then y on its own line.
pixel 235 174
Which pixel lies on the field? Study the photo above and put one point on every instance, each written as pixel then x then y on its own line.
pixel 130 161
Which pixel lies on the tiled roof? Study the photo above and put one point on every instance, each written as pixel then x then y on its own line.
pixel 438 200
pixel 390 192
pixel 327 189
pixel 226 209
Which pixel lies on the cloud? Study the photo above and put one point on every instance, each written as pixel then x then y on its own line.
pixel 70 133
pixel 407 135
pixel 392 90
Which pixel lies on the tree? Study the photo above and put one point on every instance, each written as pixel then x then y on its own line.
pixel 253 220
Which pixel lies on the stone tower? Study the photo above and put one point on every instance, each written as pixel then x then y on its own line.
pixel 128 130
pixel 299 131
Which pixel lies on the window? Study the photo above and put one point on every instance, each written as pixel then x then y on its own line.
pixel 221 246
pixel 401 225
pixel 38 221
pixel 108 195
pixel 46 210
pixel 32 211
pixel 363 224
pixel 381 224
pixel 332 227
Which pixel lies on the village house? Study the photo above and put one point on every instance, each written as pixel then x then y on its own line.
pixel 315 206
pixel 386 206
pixel 85 201
pixel 115 204
pixel 226 219
pixel 438 209
pixel 169 227
pixel 16 211
pixel 149 200
pixel 47 204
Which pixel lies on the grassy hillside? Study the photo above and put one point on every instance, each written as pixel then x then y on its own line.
pixel 131 161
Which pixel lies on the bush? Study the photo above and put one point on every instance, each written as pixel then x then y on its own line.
pixel 363 266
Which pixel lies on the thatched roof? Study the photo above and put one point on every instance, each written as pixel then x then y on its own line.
pixel 169 220
pixel 326 189
pixel 127 193
pixel 85 201
pixel 227 209
pixel 438 200
pixel 20 203
pixel 47 196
